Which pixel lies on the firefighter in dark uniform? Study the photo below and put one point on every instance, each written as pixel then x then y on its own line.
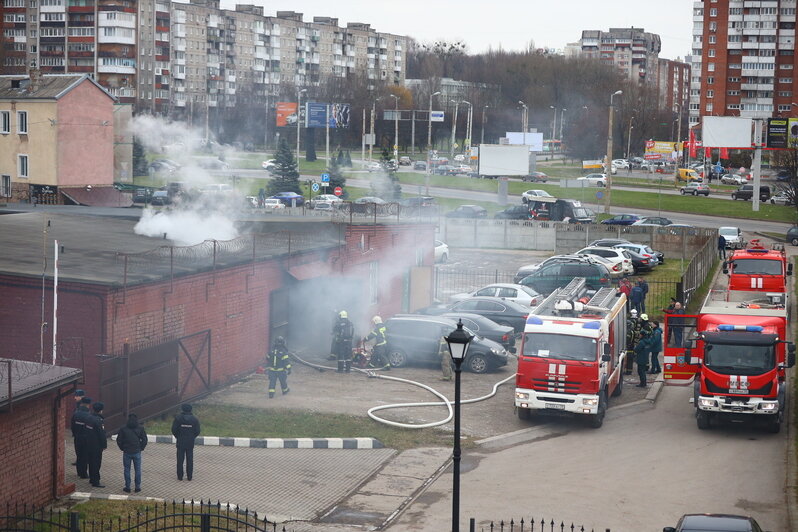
pixel 343 332
pixel 279 366
pixel 97 442
pixel 379 355
pixel 632 336
pixel 79 432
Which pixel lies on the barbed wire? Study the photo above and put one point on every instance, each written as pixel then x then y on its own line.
pixel 19 370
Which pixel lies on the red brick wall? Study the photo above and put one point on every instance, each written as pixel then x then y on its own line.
pixel 26 470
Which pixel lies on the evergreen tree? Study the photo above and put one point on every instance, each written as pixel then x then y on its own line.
pixel 286 175
pixel 337 178
pixel 388 189
pixel 139 159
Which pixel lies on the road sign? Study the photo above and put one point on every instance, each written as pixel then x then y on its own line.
pixel 599 194
pixel 338 191
pixel 314 187
pixel 325 177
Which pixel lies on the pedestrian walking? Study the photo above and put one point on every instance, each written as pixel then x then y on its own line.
pixel 379 354
pixel 721 247
pixel 446 359
pixel 131 440
pixel 642 350
pixel 343 332
pixel 185 429
pixel 80 435
pixel 656 347
pixel 97 442
pixel 279 365
pixel 636 296
pixel 643 284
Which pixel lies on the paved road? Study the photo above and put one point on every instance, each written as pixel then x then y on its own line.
pixel 641 471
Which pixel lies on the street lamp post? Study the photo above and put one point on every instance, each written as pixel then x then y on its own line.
pixel 679 139
pixel 373 112
pixel 396 128
pixel 524 118
pixel 629 140
pixel 298 121
pixel 482 132
pixel 457 341
pixel 608 164
pixel 467 142
pixel 562 119
pixel 554 123
pixel 454 129
pixel 429 142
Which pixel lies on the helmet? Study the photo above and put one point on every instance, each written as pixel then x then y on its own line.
pixel 376 319
pixel 633 313
pixel 279 341
pixel 343 314
pixel 644 317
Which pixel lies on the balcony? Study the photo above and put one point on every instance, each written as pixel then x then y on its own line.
pixel 756 87
pixel 115 69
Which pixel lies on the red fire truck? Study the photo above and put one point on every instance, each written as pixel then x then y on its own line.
pixel 758 269
pixel 572 353
pixel 734 354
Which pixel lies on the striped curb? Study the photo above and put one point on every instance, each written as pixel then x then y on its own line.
pixel 277 443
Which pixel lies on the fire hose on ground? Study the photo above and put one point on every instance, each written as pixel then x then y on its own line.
pixel 374 374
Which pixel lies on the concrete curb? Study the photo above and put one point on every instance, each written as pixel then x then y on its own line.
pixel 277 443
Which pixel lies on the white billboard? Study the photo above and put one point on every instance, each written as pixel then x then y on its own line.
pixel 726 132
pixel 533 140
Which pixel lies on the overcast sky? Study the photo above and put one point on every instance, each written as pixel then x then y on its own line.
pixel 511 24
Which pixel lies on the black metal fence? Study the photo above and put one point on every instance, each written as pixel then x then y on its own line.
pixel 530 525
pixel 151 517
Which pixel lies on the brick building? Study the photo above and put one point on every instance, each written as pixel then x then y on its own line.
pixel 633 51
pixel 151 326
pixel 743 59
pixel 673 85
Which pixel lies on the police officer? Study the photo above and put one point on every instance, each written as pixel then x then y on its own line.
pixel 97 442
pixel 279 366
pixel 379 355
pixel 185 429
pixel 80 434
pixel 343 332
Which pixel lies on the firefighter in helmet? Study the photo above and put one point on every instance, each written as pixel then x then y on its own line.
pixel 379 355
pixel 343 332
pixel 279 366
pixel 632 336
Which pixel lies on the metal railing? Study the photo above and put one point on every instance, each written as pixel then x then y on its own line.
pixel 530 525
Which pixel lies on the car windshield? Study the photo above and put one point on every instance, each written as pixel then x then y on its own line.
pixel 560 346
pixel 757 266
pixel 581 213
pixel 529 291
pixel 739 359
pixel 726 231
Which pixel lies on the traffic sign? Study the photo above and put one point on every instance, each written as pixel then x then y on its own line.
pixel 325 177
pixel 314 187
pixel 338 191
pixel 599 194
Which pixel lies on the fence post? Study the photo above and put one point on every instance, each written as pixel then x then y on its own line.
pixel 680 292
pixel 205 522
pixel 74 522
pixel 472 525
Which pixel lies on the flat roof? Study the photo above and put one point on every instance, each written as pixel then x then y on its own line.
pixel 29 379
pixel 94 247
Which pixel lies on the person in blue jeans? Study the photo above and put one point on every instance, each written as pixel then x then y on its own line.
pixel 131 440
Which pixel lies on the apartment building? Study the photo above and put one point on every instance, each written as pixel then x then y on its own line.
pixel 673 84
pixel 170 58
pixel 633 51
pixel 743 59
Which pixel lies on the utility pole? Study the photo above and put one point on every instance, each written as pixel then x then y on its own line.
pixel 396 128
pixel 482 133
pixel 608 163
pixel 454 130
pixel 298 120
pixel 429 143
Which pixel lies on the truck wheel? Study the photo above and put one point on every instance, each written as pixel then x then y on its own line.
pixel 618 389
pixel 774 425
pixel 794 241
pixel 682 192
pixel 597 419
pixel 397 358
pixel 734 196
pixel 477 364
pixel 703 419
pixel 524 414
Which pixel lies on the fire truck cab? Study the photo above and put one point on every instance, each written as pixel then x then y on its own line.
pixel 735 356
pixel 572 353
pixel 757 268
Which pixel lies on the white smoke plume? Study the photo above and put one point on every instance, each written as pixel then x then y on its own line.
pixel 185 227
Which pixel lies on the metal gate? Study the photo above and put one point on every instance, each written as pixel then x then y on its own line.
pixel 154 379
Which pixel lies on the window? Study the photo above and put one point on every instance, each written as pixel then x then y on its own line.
pixel 710 67
pixel 711 52
pixel 785 108
pixel 709 107
pixel 785 80
pixel 734 80
pixel 710 94
pixel 5 186
pixel 733 93
pixel 785 94
pixel 710 80
pixel 22 166
pixel 733 107
pixel 22 122
pixel 713 12
pixel 5 122
pixel 713 26
pixel 712 39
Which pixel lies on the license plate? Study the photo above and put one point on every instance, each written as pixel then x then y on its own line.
pixel 736 390
pixel 555 406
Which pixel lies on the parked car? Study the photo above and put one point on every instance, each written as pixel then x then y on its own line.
pixel 212 164
pixel 289 198
pixel 532 194
pixel 653 220
pixel 423 202
pixel 443 169
pixel 620 163
pixel 733 236
pixel 420 165
pixel 273 204
pixel 515 212
pixel 694 189
pixel 503 335
pixel 608 242
pixel 783 175
pixel 621 219
pixel 529 269
pixel 523 295
pixel 416 338
pixel 270 165
pixel 621 261
pixel 746 192
pixel 325 201
pixel 547 278
pixel 535 177
pixel 374 166
pixel 597 180
pixel 142 195
pixel 783 197
pixel 641 249
pixel 792 235
pixel 501 311
pixel 468 211
pixel 733 179
pixel 460 169
pixel 160 197
pixel 715 523
pixel 369 199
pixel 441 251
pixel 404 160
pixel 641 263
pixel 163 166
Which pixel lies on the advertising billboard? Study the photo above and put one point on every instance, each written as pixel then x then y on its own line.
pixel 316 113
pixel 531 139
pixel 660 147
pixel 286 114
pixel 726 132
pixel 777 132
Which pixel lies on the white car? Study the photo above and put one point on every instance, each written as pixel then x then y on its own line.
pixel 620 163
pixel 441 251
pixel 621 260
pixel 733 179
pixel 733 236
pixel 459 157
pixel 595 180
pixel 374 167
pixel 272 204
pixel 532 194
pixel 521 294
pixel 640 249
pixel 270 165
pixel 325 201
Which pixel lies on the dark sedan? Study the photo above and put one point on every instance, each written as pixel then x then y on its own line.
pixel 621 219
pixel 468 211
pixel 715 523
pixel 516 212
pixel 501 334
pixel 641 263
pixel 289 198
pixel 502 311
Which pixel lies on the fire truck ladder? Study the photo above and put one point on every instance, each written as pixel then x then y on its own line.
pixel 562 299
pixel 602 300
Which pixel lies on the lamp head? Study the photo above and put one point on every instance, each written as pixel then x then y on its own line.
pixel 458 341
pixel 435 93
pixel 616 93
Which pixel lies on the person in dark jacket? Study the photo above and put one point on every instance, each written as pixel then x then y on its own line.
pixel 97 442
pixel 279 365
pixel 656 347
pixel 636 298
pixel 343 332
pixel 185 428
pixel 643 284
pixel 131 440
pixel 379 354
pixel 721 247
pixel 642 349
pixel 80 434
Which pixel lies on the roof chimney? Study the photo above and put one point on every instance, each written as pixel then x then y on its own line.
pixel 35 79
